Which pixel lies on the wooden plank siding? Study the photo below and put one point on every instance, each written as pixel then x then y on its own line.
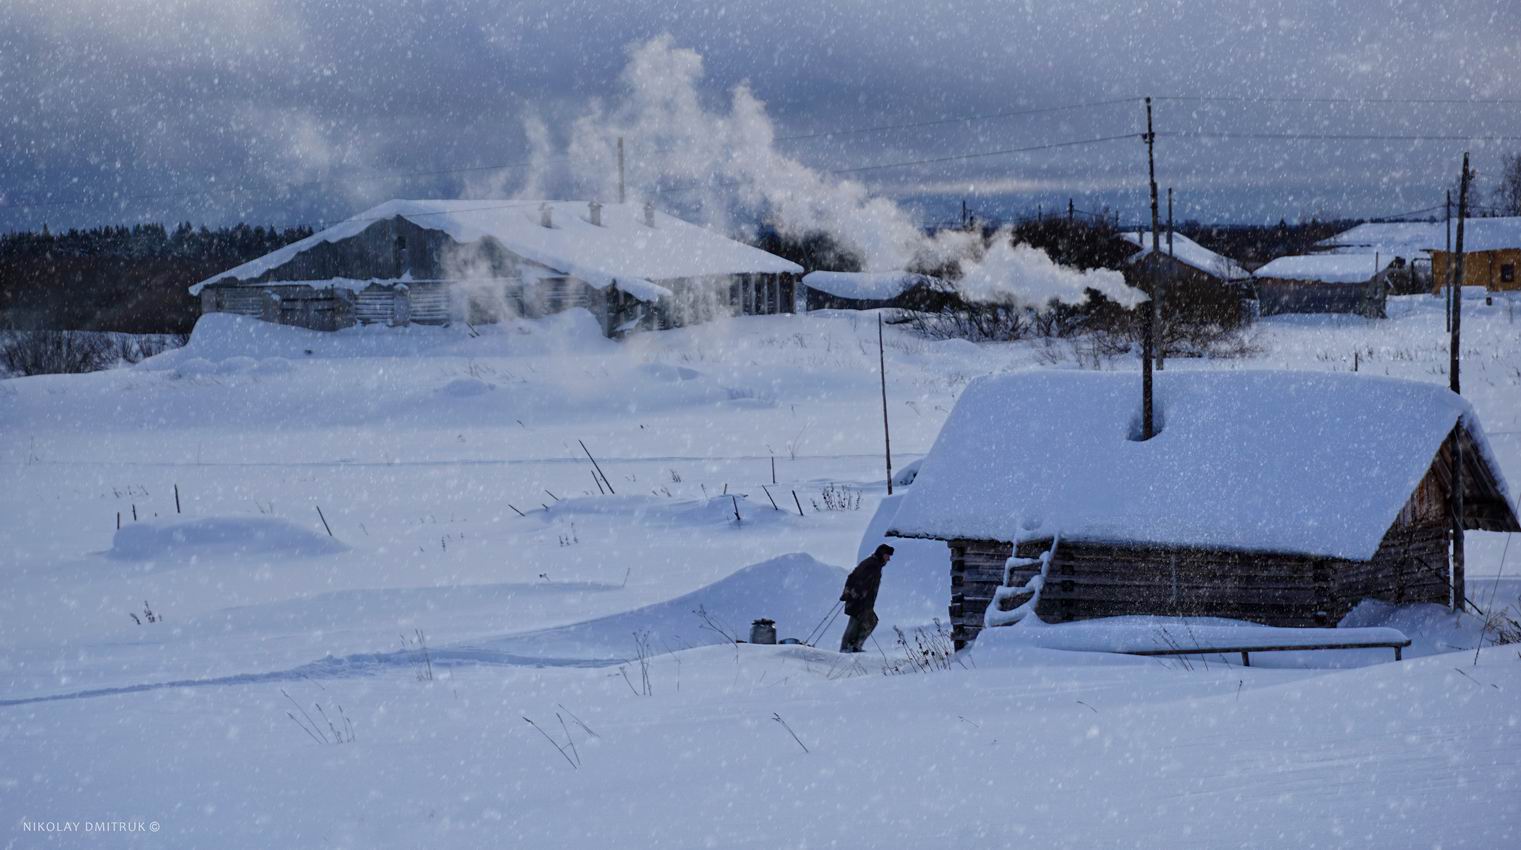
pixel 1278 295
pixel 1497 271
pixel 1089 579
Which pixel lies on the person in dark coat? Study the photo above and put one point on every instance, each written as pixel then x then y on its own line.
pixel 860 598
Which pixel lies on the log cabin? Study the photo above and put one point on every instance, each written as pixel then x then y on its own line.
pixel 437 261
pixel 1195 279
pixel 1281 498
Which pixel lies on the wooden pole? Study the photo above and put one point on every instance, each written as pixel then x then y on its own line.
pixel 887 438
pixel 1148 337
pixel 596 467
pixel 1070 210
pixel 799 504
pixel 176 498
pixel 622 194
pixel 324 521
pixel 1459 580
pixel 1446 282
pixel 1162 287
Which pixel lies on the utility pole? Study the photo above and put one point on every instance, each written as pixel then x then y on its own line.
pixel 1148 336
pixel 887 437
pixel 1070 210
pixel 963 213
pixel 622 193
pixel 1162 291
pixel 1459 583
pixel 1446 283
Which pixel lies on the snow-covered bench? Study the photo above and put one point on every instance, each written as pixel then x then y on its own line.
pixel 1246 658
pixel 1157 636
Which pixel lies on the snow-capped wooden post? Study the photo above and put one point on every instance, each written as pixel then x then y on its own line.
pixel 1454 372
pixel 622 195
pixel 887 437
pixel 1148 336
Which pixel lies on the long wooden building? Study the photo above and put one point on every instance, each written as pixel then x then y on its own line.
pixel 436 261
pixel 1275 497
pixel 1326 283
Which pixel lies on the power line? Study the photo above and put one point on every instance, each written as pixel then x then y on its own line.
pixel 964 119
pixel 1373 100
pixel 1336 137
pixel 982 154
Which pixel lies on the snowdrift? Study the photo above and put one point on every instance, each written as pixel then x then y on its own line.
pixel 794 590
pixel 219 537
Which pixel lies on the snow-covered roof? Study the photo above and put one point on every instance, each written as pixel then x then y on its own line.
pixel 1327 268
pixel 1482 234
pixel 874 286
pixel 1407 239
pixel 1311 463
pixel 1189 253
pixel 1411 239
pixel 622 248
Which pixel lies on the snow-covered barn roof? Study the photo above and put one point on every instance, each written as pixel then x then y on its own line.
pixel 622 248
pixel 1327 268
pixel 1308 463
pixel 1408 239
pixel 1189 253
pixel 1411 239
pixel 870 286
pixel 1481 234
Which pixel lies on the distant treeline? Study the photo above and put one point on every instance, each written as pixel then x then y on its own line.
pixel 120 278
pixel 134 279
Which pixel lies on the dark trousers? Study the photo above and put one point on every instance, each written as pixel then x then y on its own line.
pixel 857 631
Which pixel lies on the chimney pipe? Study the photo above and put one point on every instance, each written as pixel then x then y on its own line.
pixel 596 213
pixel 649 213
pixel 546 215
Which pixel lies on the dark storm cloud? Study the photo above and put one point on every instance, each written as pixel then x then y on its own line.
pixel 225 110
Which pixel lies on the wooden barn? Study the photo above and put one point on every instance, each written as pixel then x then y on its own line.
pixel 477 261
pixel 1491 255
pixel 872 290
pixel 1325 283
pixel 1405 243
pixel 1281 498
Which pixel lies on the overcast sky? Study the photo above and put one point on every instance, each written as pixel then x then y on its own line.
pixel 282 111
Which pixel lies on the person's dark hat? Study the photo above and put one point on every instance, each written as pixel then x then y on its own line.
pixel 884 549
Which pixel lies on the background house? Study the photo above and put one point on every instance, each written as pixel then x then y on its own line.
pixel 825 290
pixel 1196 282
pixel 1278 497
pixel 1405 243
pixel 1325 283
pixel 1491 254
pixel 436 261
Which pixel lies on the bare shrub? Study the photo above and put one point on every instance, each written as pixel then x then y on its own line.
pixel 54 353
pixel 924 651
pixel 838 497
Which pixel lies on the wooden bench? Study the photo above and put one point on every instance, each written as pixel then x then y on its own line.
pixel 1245 651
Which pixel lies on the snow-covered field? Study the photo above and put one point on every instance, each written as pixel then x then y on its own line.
pixel 530 720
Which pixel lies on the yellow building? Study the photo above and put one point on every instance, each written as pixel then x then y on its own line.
pixel 1491 255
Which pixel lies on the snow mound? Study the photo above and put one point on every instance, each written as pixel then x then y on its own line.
pixel 672 374
pixel 219 536
pixel 794 590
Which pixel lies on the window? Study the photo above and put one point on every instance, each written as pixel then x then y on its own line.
pixel 1508 273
